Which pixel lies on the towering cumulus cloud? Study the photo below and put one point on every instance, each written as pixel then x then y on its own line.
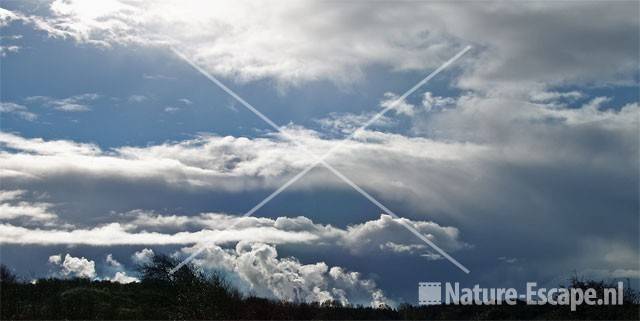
pixel 256 268
pixel 74 266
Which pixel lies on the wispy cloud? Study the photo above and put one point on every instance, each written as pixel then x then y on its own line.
pixel 171 109
pixel 137 98
pixel 157 77
pixel 77 103
pixel 5 50
pixel 13 207
pixel 8 41
pixel 185 101
pixel 233 44
pixel 18 110
pixel 346 123
pixel 144 229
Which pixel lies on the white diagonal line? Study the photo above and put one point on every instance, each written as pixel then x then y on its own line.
pixel 395 102
pixel 249 213
pixel 379 114
pixel 321 159
pixel 335 147
pixel 226 89
pixel 401 221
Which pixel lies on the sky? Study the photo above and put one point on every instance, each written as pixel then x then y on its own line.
pixel 520 159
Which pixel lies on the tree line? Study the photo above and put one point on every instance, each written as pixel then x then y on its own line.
pixel 191 294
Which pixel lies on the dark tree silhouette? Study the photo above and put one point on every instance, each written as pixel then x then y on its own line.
pixel 191 294
pixel 6 276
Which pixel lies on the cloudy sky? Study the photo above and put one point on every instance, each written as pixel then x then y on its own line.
pixel 520 159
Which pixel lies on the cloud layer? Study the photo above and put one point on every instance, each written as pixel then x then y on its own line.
pixel 313 40
pixel 482 164
pixel 359 239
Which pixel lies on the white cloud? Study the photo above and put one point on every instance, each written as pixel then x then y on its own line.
pixel 123 278
pixel 430 102
pixel 137 98
pixel 325 40
pixel 359 239
pixel 74 266
pixel 82 267
pixel 256 268
pixel 10 195
pixel 6 17
pixel 112 262
pixel 185 101
pixel 116 234
pixel 210 162
pixel 346 123
pixel 55 259
pixel 376 234
pixel 11 37
pixel 508 260
pixel 120 276
pixel 77 103
pixel 33 211
pixel 613 273
pixel 400 107
pixel 157 77
pixel 401 248
pixel 250 42
pixel 550 96
pixel 9 47
pixel 5 50
pixel 143 256
pixel 17 109
pixel 51 148
pixel 12 207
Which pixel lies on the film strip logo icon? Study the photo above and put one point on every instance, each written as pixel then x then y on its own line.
pixel 430 293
